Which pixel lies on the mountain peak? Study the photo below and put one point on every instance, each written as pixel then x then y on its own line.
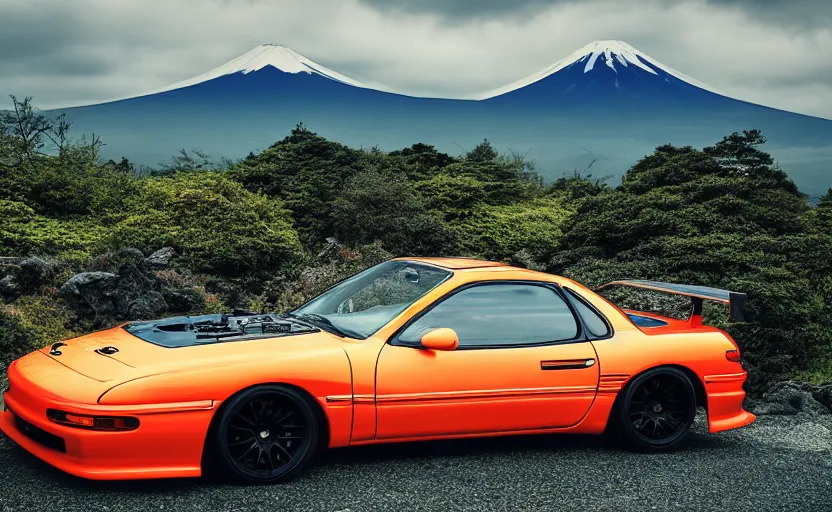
pixel 275 55
pixel 616 55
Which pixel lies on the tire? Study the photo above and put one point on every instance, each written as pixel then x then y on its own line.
pixel 264 435
pixel 655 411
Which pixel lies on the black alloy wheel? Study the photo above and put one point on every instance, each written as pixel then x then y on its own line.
pixel 657 409
pixel 267 434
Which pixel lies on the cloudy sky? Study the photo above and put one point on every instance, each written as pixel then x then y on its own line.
pixel 773 52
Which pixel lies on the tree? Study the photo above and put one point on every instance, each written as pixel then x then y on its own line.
pixel 578 185
pixel 720 217
pixel 382 207
pixel 739 155
pixel 483 152
pixel 308 173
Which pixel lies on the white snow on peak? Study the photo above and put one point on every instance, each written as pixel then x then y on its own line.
pixel 613 53
pixel 280 57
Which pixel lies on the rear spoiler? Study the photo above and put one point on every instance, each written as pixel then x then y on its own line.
pixel 735 300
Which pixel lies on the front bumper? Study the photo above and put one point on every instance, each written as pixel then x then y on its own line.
pixel 168 442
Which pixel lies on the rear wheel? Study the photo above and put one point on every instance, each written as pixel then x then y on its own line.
pixel 266 434
pixel 656 410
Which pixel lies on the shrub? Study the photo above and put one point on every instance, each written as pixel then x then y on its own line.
pixel 213 222
pixel 499 232
pixel 24 232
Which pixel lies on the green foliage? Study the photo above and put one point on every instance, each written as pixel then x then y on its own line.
pixel 31 323
pixel 65 187
pixel 820 219
pixel 277 228
pixel 420 161
pixel 381 207
pixel 577 186
pixel 308 173
pixel 723 217
pixel 501 231
pixel 483 152
pixel 454 197
pixel 24 232
pixel 217 225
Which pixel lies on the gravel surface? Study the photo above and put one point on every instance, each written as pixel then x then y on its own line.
pixel 778 463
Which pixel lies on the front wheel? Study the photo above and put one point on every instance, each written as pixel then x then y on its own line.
pixel 267 434
pixel 657 410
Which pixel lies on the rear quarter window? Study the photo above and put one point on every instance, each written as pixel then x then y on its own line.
pixel 595 323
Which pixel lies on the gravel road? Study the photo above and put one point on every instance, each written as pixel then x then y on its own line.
pixel 778 463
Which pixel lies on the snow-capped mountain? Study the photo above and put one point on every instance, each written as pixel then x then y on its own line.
pixel 607 98
pixel 618 56
pixel 276 56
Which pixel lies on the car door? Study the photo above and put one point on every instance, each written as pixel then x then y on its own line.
pixel 523 363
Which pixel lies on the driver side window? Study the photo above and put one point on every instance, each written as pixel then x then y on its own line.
pixel 499 314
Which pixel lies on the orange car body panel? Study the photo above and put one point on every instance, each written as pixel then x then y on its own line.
pixel 369 391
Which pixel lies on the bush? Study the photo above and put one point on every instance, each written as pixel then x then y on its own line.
pixel 24 232
pixel 381 207
pixel 31 323
pixel 308 173
pixel 712 218
pixel 499 232
pixel 217 225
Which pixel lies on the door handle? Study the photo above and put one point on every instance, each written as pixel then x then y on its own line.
pixel 567 364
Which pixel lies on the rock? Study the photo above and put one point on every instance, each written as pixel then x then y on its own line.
pixel 134 291
pixel 10 260
pixel 182 300
pixel 9 286
pixel 113 261
pixel 130 255
pixel 788 398
pixel 33 273
pixel 148 306
pixel 160 258
pixel 823 394
pixel 133 283
pixel 90 292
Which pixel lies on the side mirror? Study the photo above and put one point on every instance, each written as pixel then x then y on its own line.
pixel 440 339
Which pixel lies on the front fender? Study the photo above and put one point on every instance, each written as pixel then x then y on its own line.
pixel 320 373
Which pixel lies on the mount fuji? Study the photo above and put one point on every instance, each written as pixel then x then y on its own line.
pixel 607 102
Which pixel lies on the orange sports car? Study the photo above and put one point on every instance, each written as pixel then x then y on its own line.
pixel 410 349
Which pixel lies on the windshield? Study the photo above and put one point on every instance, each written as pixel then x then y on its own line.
pixel 365 302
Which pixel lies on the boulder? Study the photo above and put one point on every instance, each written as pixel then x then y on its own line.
pixel 789 398
pixel 129 255
pixel 182 300
pixel 147 306
pixel 133 291
pixel 33 273
pixel 91 292
pixel 9 286
pixel 160 258
pixel 823 394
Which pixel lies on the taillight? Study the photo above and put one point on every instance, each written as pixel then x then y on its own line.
pixel 733 355
pixel 108 423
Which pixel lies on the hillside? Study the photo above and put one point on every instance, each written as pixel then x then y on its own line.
pixel 87 243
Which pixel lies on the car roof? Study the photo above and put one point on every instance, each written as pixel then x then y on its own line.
pixel 456 263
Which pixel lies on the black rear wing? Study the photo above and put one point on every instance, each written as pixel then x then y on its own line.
pixel 735 300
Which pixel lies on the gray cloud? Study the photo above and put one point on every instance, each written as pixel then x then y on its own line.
pixel 797 13
pixel 86 51
pixel 465 9
pixel 802 13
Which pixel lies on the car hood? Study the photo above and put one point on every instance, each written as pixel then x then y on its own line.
pixel 117 355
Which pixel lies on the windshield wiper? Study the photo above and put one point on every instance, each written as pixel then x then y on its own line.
pixel 316 319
